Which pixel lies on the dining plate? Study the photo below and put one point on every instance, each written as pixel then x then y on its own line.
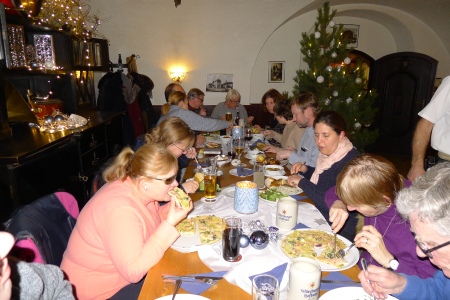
pixel 351 258
pixel 212 145
pixel 255 267
pixel 234 173
pixel 184 297
pixel 349 292
pixel 228 191
pixel 282 163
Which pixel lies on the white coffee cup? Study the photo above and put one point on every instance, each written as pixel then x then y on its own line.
pixel 304 279
pixel 287 211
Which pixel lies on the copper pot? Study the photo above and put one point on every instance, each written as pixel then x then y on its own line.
pixel 46 107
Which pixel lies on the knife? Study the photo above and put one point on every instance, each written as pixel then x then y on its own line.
pixel 340 282
pixel 192 277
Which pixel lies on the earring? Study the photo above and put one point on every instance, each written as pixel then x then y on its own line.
pixel 145 188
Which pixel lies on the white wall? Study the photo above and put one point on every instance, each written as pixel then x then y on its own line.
pixel 236 37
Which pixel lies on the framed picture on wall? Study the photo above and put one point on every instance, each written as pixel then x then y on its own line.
pixel 276 71
pixel 350 33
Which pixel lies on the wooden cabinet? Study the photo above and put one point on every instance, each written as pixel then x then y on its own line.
pixel 33 164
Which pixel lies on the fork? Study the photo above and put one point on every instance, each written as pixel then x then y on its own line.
pixel 199 167
pixel 344 252
pixel 334 245
pixel 187 279
pixel 177 287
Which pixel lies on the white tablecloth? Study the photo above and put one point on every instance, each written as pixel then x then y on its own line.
pixel 253 261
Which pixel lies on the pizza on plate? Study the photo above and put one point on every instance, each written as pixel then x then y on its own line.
pixel 186 227
pixel 209 229
pixel 315 244
pixel 212 145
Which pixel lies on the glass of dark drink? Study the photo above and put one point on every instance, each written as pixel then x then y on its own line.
pixel 232 229
pixel 230 151
pixel 248 135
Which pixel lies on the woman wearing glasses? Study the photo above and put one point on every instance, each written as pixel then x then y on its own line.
pixel 231 104
pixel 174 134
pixel 426 205
pixel 369 184
pixel 123 231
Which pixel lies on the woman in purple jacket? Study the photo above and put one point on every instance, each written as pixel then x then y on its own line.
pixel 369 184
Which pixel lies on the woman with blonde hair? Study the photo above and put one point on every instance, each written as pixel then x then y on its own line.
pixel 178 107
pixel 369 184
pixel 123 231
pixel 175 135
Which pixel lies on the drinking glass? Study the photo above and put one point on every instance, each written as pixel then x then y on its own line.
pixel 232 229
pixel 238 147
pixel 228 116
pixel 258 174
pixel 230 151
pixel 265 287
pixel 210 181
pixel 248 135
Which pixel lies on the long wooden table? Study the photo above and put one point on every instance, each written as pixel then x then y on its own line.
pixel 174 262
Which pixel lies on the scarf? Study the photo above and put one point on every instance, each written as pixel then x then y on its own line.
pixel 324 162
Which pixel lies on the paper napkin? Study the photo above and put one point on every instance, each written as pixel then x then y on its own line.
pixel 240 171
pixel 256 143
pixel 277 272
pixel 197 287
pixel 335 276
pixel 299 197
pixel 300 226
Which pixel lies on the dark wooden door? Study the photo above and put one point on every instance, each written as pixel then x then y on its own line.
pixel 404 82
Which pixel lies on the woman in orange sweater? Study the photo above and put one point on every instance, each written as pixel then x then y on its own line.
pixel 123 231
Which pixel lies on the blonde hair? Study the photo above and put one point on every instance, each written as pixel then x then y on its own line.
pixel 232 93
pixel 151 160
pixel 174 99
pixel 170 131
pixel 367 180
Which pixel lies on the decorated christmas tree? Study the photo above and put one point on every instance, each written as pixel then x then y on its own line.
pixel 338 83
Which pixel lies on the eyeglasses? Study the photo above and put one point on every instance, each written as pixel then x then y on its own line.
pixel 236 101
pixel 167 181
pixel 201 100
pixel 424 248
pixel 182 150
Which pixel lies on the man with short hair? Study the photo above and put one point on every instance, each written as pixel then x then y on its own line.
pixel 195 101
pixel 172 87
pixel 304 110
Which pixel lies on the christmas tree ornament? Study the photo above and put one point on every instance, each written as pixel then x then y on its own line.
pixel 317 34
pixel 329 69
pixel 334 55
pixel 320 79
pixel 244 241
pixel 259 239
pixel 358 80
pixel 348 100
pixel 357 126
pixel 347 60
pixel 331 24
pixel 327 101
pixel 335 93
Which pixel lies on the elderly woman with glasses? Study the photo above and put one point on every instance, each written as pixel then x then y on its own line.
pixel 368 184
pixel 123 231
pixel 426 206
pixel 231 104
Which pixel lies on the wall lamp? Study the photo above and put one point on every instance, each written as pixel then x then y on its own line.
pixel 177 76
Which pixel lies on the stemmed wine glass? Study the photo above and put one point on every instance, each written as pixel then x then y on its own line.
pixel 238 147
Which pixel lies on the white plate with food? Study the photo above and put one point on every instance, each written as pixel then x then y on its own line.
pixel 271 195
pixel 183 297
pixel 213 145
pixel 212 137
pixel 257 266
pixel 349 292
pixel 222 160
pixel 228 191
pixel 280 183
pixel 198 231
pixel 274 170
pixel 319 245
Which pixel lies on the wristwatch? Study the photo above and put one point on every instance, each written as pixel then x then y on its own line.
pixel 393 264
